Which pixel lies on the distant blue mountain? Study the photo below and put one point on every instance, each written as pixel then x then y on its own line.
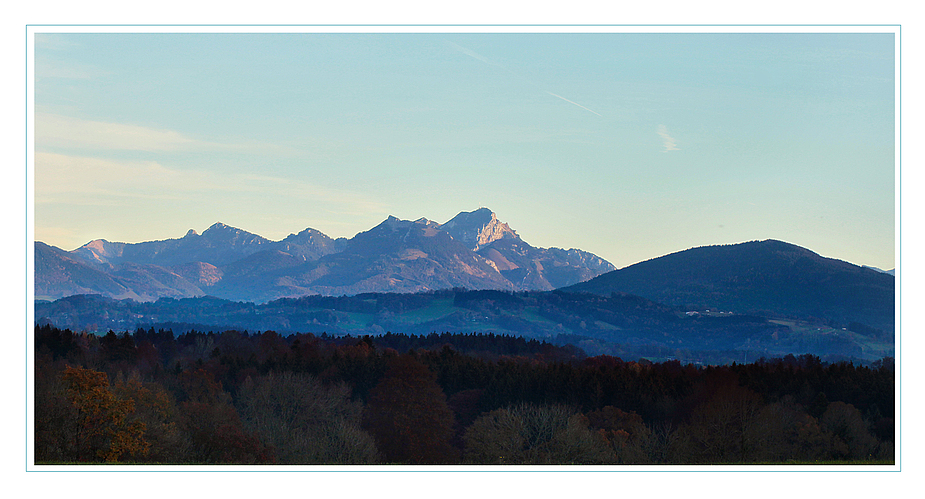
pixel 892 272
pixel 770 278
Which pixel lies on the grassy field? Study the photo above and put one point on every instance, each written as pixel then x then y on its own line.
pixel 437 309
pixel 871 347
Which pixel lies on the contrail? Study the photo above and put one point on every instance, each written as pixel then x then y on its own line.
pixel 573 102
pixel 475 55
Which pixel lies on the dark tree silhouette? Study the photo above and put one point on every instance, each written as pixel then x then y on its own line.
pixel 408 415
pixel 305 421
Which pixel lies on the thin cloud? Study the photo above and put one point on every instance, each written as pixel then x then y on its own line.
pixel 54 41
pixel 129 191
pixel 78 180
pixel 67 70
pixel 667 140
pixel 95 181
pixel 53 62
pixel 53 130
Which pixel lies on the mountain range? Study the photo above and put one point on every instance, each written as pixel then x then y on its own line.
pixel 473 250
pixel 753 298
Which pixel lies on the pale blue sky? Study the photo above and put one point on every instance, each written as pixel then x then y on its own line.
pixel 630 146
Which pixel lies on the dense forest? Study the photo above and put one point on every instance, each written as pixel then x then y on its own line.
pixel 234 397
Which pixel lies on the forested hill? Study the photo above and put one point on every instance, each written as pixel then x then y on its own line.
pixel 770 278
pixel 618 324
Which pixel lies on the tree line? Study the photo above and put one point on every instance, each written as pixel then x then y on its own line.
pixel 236 397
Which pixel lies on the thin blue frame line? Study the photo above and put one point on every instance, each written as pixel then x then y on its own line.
pixel 26 169
pixel 899 403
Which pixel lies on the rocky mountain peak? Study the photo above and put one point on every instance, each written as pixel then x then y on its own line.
pixel 478 228
pixel 219 227
pixel 391 222
pixel 308 234
pixel 220 233
pixel 100 251
pixel 97 244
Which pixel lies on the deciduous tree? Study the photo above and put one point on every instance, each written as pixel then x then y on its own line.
pixel 407 414
pixel 850 434
pixel 156 409
pixel 103 431
pixel 213 425
pixel 534 434
pixel 304 421
pixel 726 428
pixel 625 432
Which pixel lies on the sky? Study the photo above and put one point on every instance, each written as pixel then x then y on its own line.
pixel 627 145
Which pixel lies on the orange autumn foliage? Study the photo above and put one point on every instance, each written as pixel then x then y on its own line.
pixel 103 431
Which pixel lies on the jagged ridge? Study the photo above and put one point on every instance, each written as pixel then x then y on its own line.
pixel 474 250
